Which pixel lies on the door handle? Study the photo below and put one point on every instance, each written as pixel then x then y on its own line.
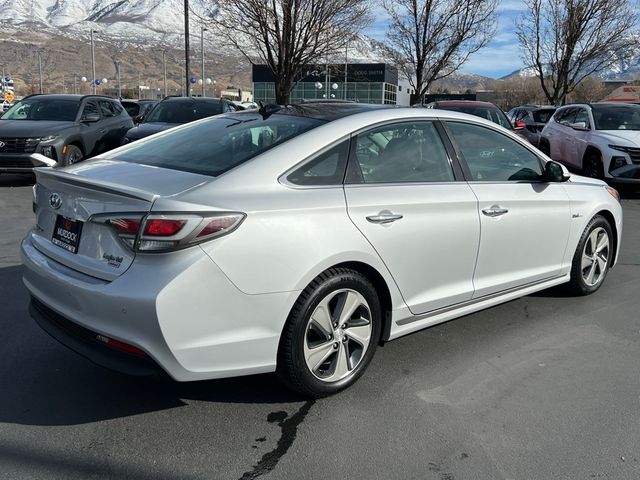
pixel 495 211
pixel 384 217
pixel 104 130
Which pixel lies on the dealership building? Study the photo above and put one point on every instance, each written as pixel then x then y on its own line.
pixel 361 82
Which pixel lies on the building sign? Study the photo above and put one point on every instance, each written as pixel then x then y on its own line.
pixel 356 72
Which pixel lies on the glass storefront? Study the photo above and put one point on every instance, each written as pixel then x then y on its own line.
pixel 366 83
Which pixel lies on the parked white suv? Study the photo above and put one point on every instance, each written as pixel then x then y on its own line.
pixel 602 139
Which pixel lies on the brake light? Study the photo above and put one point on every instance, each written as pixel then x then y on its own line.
pixel 163 227
pixel 160 232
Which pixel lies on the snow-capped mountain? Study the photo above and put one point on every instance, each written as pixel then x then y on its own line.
pixel 137 20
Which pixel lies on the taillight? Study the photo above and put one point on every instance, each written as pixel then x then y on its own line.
pixel 125 226
pixel 163 227
pixel 166 232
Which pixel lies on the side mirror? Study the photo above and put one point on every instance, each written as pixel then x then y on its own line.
pixel 138 119
pixel 91 117
pixel 554 172
pixel 579 126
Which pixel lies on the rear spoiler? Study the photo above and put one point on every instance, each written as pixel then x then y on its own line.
pixel 94 184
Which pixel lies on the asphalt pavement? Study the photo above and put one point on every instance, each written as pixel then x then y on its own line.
pixel 545 387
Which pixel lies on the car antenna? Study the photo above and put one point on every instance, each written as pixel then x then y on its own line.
pixel 267 110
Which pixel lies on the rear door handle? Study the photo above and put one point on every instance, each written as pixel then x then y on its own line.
pixel 495 211
pixel 384 217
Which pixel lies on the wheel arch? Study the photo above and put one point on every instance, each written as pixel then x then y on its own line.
pixel 608 216
pixel 77 142
pixel 379 283
pixel 589 150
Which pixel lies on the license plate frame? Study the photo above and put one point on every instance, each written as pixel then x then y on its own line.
pixel 66 233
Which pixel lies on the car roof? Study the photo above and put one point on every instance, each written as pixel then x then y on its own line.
pixel 192 99
pixel 464 103
pixel 67 96
pixel 327 111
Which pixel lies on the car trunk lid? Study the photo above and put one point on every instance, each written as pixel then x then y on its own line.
pixel 71 206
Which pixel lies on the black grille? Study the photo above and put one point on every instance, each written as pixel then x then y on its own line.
pixel 15 163
pixel 18 145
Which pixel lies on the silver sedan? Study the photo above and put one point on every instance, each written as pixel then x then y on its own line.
pixel 296 239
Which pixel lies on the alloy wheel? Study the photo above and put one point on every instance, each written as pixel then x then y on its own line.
pixel 595 257
pixel 337 335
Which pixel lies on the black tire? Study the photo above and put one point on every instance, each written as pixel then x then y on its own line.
pixel 592 166
pixel 578 285
pixel 73 155
pixel 545 148
pixel 292 367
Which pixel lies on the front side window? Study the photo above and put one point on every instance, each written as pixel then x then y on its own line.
pixel 107 109
pixel 90 108
pixel 494 157
pixel 217 144
pixel 406 152
pixel 39 108
pixel 582 116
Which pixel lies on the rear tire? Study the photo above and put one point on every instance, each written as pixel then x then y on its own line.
pixel 73 155
pixel 592 258
pixel 331 334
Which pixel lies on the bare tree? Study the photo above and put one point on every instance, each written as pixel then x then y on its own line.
pixel 288 35
pixel 431 39
pixel 565 41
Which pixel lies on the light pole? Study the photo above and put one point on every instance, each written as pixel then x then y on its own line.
pixel 93 62
pixel 75 83
pixel 164 70
pixel 202 30
pixel 39 52
pixel 186 48
pixel 118 79
pixel 2 84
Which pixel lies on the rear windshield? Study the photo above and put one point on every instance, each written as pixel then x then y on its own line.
pixel 42 108
pixel 183 111
pixel 216 145
pixel 542 116
pixel 493 114
pixel 618 117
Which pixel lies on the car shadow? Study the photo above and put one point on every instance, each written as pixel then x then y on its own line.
pixel 46 384
pixel 14 180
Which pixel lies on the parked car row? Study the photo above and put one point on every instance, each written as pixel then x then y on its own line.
pixel 296 239
pixel 64 129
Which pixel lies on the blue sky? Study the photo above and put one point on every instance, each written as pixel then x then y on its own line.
pixel 499 58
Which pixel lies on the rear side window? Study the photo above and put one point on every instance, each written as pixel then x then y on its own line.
pixel 132 109
pixel 326 169
pixel 494 157
pixel 218 144
pixel 542 116
pixel 183 111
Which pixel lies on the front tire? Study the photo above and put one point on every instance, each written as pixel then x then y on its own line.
pixel 331 334
pixel 592 258
pixel 592 166
pixel 73 155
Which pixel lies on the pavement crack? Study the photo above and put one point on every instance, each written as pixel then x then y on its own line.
pixel 288 431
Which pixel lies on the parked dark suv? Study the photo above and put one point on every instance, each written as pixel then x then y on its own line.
pixel 137 109
pixel 532 119
pixel 65 128
pixel 174 111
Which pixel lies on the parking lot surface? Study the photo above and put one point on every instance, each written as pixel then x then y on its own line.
pixel 545 387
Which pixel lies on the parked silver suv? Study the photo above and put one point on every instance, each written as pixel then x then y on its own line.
pixel 602 139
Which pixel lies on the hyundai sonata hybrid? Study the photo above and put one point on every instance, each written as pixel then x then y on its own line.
pixel 296 239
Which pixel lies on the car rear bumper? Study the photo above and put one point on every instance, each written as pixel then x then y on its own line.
pixel 179 309
pixel 86 343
